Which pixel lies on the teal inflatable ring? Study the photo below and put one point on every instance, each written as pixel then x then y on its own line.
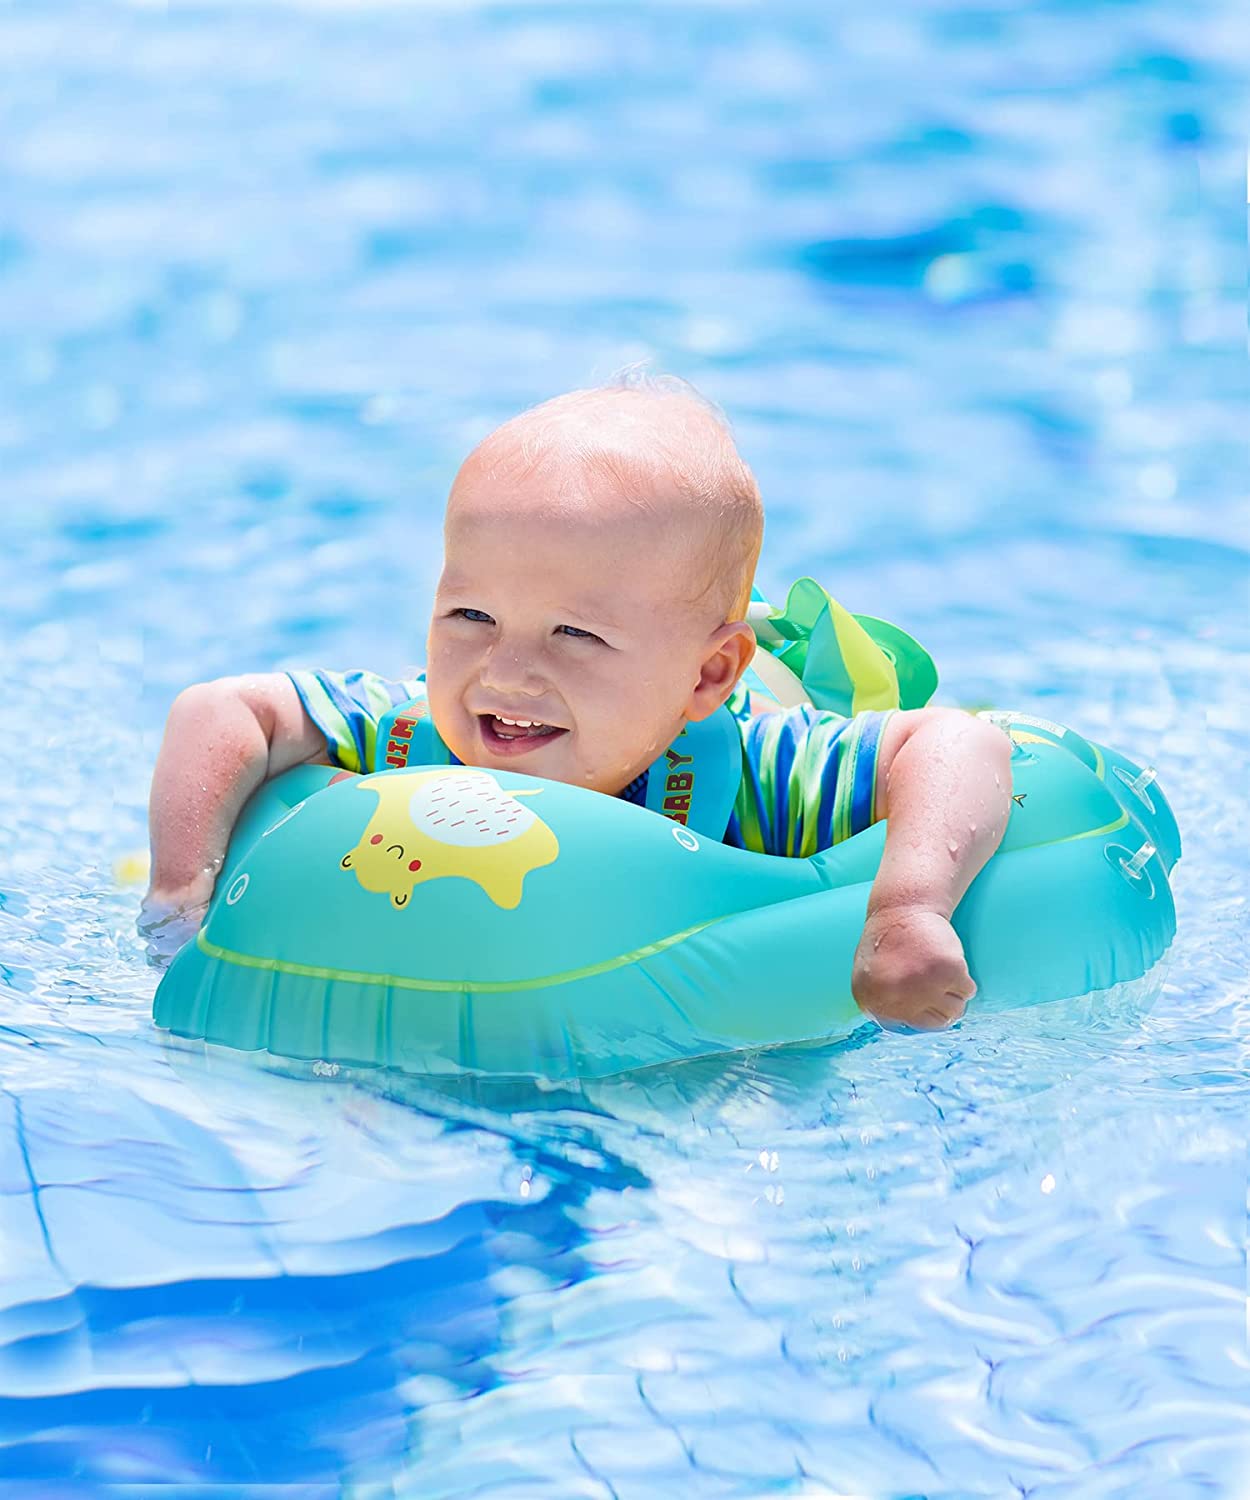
pixel 450 919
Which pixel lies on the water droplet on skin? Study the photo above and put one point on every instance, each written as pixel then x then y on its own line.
pixel 972 827
pixel 876 943
pixel 953 847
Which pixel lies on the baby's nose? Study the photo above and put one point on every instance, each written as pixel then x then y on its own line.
pixel 509 669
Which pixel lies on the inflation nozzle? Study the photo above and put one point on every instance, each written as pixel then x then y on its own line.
pixel 1138 784
pixel 1133 867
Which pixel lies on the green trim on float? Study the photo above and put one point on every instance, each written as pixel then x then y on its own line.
pixel 445 986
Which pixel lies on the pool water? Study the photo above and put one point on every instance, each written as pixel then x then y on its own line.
pixel 969 282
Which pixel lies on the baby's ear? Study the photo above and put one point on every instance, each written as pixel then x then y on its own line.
pixel 728 655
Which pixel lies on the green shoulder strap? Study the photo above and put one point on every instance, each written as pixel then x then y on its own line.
pixel 836 660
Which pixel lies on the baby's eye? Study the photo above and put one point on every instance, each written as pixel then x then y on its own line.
pixel 578 635
pixel 477 616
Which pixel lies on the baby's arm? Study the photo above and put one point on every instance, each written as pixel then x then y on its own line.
pixel 944 784
pixel 222 739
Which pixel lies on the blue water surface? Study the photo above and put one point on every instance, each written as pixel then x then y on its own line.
pixel 969 282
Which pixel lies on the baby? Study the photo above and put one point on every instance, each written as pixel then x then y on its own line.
pixel 599 555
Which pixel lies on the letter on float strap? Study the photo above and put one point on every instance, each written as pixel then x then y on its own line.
pixel 711 761
pixel 408 736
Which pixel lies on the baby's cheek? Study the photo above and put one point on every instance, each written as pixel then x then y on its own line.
pixel 458 740
pixel 440 691
pixel 451 721
pixel 445 671
pixel 635 746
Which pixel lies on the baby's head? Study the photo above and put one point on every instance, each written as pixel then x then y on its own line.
pixel 599 552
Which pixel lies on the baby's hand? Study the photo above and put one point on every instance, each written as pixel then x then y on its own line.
pixel 170 919
pixel 909 969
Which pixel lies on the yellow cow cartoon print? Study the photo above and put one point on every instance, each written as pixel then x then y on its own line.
pixel 451 821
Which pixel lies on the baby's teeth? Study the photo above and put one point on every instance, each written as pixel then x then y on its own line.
pixel 520 723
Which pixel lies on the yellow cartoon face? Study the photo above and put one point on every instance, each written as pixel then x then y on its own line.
pixel 453 821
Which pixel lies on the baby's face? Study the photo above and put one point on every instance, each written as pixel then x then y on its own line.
pixel 564 642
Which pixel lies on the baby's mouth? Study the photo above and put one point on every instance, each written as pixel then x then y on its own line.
pixel 499 732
